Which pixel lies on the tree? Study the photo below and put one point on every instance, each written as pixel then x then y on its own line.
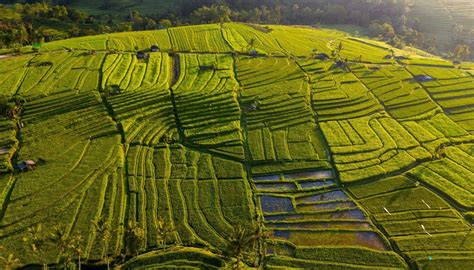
pixel 164 231
pixel 76 247
pixel 217 13
pixel 8 260
pixel 60 239
pixel 243 244
pixel 388 31
pixel 102 228
pixel 165 23
pixel 134 238
pixel 36 240
pixel 462 51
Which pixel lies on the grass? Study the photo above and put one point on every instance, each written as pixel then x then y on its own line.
pixel 337 163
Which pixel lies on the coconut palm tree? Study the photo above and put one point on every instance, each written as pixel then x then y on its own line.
pixel 8 261
pixel 244 244
pixel 76 247
pixel 240 245
pixel 60 239
pixel 134 238
pixel 102 228
pixel 36 239
pixel 164 231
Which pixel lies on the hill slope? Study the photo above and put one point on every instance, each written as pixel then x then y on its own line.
pixel 360 163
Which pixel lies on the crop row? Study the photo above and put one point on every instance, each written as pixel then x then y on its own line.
pixel 371 146
pixel 397 91
pixel 278 116
pixel 146 116
pixel 206 104
pixel 187 188
pixel 333 257
pixel 198 39
pixel 415 218
pixel 340 95
pixel 13 72
pixel 228 37
pixel 453 91
pixel 78 154
pixel 451 175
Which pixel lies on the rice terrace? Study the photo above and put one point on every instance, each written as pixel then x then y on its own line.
pixel 236 146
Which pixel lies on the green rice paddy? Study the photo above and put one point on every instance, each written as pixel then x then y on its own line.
pixel 356 167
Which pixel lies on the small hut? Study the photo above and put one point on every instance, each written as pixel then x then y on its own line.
pixel 154 48
pixel 141 55
pixel 374 68
pixel 253 53
pixel 423 78
pixel 322 56
pixel 456 62
pixel 388 57
pixel 27 165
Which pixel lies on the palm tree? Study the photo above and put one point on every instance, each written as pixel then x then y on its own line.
pixel 36 240
pixel 164 231
pixel 134 238
pixel 103 230
pixel 251 44
pixel 75 245
pixel 244 243
pixel 240 245
pixel 9 261
pixel 60 239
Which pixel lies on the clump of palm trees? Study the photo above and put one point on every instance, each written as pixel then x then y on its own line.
pixel 8 260
pixel 67 246
pixel 246 244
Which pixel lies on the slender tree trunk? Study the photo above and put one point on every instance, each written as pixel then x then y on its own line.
pixel 79 260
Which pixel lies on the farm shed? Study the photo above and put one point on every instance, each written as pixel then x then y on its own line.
pixel 27 165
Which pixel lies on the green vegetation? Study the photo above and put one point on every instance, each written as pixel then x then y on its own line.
pixel 235 145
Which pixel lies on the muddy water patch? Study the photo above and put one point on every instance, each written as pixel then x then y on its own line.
pixel 320 225
pixel 274 177
pixel 336 195
pixel 275 186
pixel 325 206
pixel 315 184
pixel 315 175
pixel 274 204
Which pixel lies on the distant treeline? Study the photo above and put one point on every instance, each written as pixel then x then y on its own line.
pixel 389 20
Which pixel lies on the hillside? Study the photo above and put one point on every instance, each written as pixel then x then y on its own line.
pixel 445 20
pixel 360 161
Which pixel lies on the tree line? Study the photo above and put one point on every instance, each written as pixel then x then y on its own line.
pixel 246 245
pixel 389 20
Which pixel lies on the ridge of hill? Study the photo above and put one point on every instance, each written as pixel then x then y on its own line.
pixel 351 153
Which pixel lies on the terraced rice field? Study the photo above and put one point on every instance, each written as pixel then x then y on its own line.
pixel 356 167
